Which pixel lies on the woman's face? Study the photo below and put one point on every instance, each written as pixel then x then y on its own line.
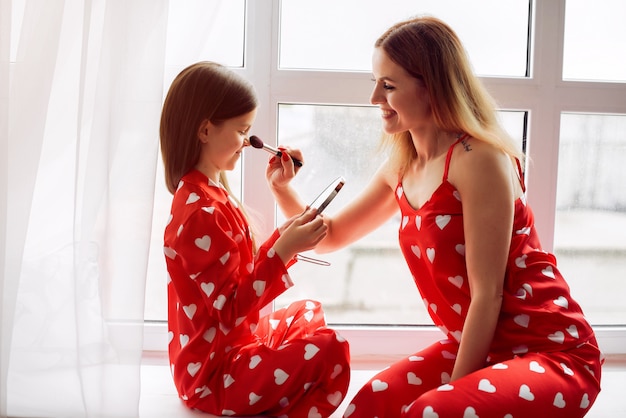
pixel 223 143
pixel 402 98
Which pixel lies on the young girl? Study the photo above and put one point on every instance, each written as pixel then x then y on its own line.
pixel 516 343
pixel 225 359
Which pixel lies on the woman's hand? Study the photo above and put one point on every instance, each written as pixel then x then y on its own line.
pixel 300 233
pixel 281 170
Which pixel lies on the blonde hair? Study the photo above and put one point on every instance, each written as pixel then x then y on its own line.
pixel 429 50
pixel 203 91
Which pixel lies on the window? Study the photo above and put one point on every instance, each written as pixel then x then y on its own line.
pixel 594 37
pixel 313 80
pixel 368 282
pixel 591 213
pixel 344 42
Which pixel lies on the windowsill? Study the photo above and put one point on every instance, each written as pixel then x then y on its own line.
pixel 159 399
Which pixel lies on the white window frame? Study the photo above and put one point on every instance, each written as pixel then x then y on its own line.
pixel 544 95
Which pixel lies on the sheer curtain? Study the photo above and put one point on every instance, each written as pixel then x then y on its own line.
pixel 80 96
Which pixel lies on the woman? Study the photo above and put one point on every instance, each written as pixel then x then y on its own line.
pixel 225 358
pixel 516 342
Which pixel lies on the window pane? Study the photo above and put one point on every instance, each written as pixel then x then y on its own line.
pixel 590 239
pixel 341 140
pixel 327 34
pixel 210 30
pixel 595 36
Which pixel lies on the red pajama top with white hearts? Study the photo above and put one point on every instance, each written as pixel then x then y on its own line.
pixel 537 314
pixel 216 286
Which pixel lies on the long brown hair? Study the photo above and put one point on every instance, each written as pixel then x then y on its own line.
pixel 429 50
pixel 203 91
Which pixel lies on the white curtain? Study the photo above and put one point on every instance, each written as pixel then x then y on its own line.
pixel 81 84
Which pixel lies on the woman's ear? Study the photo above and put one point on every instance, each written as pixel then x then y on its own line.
pixel 203 131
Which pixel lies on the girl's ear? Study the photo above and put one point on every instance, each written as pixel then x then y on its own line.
pixel 203 131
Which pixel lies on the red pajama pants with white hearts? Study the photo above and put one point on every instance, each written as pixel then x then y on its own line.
pixel 535 385
pixel 298 368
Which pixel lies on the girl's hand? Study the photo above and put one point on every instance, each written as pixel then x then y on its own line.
pixel 281 170
pixel 300 233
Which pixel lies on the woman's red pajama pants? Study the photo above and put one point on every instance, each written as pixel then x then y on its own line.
pixel 559 384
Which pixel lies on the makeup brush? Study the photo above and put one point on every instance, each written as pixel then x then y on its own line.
pixel 256 142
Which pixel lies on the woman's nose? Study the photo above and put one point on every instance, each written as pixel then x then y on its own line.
pixel 375 97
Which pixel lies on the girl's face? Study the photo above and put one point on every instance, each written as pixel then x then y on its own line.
pixel 402 98
pixel 222 144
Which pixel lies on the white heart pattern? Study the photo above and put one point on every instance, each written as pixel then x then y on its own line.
pixel 254 361
pixel 456 281
pixel 584 403
pixel 522 320
pixel 308 315
pixel 259 287
pixel 169 253
pixel 254 398
pixel 429 412
pixel 561 301
pixel 430 253
pixel 572 330
pixel 190 310
pixel 412 379
pixel 209 334
pixel 525 393
pixel 219 302
pixel 224 258
pixel 349 410
pixel 184 339
pixel 521 261
pixel 567 370
pixel 559 402
pixel 334 398
pixel 442 221
pixel 204 391
pixel 485 386
pixel 192 368
pixel 379 386
pixel 203 243
pixel 536 367
pixel 228 380
pixel 548 272
pixel 310 350
pixel 470 413
pixel 207 288
pixel 336 371
pixel 192 198
pixel 557 337
pixel 280 376
pixel 314 413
